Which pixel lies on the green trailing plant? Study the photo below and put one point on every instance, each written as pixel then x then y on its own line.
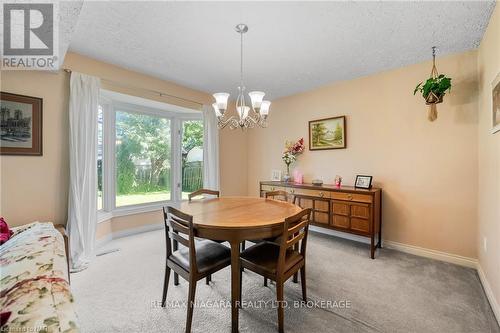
pixel 437 85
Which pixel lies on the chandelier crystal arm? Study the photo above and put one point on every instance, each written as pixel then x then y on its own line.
pixel 231 121
pixel 257 120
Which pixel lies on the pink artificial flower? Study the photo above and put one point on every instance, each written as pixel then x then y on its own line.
pixel 5 232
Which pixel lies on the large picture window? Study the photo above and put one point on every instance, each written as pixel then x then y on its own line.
pixel 149 153
pixel 100 153
pixel 143 159
pixel 192 156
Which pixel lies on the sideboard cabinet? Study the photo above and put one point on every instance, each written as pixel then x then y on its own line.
pixel 347 209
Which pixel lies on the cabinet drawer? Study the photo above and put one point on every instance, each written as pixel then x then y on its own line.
pixel 341 221
pixel 322 205
pixel 321 217
pixel 360 225
pixel 351 197
pixel 340 208
pixel 360 210
pixel 311 193
pixel 268 188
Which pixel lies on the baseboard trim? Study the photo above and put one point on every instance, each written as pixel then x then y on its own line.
pixel 103 241
pixel 410 249
pixel 138 230
pixel 489 293
pixel 128 232
pixel 339 234
pixel 433 254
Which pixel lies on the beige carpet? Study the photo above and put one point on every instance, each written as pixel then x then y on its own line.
pixel 396 292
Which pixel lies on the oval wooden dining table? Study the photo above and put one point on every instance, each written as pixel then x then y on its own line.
pixel 235 219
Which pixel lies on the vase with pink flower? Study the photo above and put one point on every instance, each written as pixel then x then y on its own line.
pixel 292 150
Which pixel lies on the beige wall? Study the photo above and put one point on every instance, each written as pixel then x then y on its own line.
pixel 428 170
pixel 489 157
pixel 35 188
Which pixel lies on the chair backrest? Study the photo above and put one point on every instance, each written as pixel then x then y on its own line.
pixel 202 191
pixel 295 230
pixel 277 195
pixel 179 230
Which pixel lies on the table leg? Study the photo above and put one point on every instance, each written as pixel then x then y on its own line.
pixel 235 285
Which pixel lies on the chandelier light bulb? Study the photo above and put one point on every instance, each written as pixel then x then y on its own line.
pixel 221 101
pixel 256 97
pixel 264 108
pixel 243 111
pixel 217 111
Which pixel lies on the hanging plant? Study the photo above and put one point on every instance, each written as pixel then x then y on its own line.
pixel 434 89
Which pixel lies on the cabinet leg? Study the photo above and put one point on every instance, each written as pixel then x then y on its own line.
pixel 372 247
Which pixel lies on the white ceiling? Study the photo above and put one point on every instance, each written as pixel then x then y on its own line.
pixel 290 46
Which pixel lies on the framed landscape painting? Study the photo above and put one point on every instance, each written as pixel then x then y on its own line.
pixel 327 133
pixel 20 124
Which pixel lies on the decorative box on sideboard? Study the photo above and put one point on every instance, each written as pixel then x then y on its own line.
pixel 346 209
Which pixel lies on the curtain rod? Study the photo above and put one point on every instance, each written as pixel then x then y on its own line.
pixel 161 94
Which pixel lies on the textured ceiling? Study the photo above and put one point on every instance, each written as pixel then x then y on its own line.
pixel 68 18
pixel 290 46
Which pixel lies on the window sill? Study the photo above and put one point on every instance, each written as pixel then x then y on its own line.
pixel 103 216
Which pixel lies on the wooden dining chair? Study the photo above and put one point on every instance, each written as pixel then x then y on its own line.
pixel 202 191
pixel 198 259
pixel 192 195
pixel 279 194
pixel 280 262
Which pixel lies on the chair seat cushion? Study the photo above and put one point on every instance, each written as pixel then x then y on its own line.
pixel 265 256
pixel 209 255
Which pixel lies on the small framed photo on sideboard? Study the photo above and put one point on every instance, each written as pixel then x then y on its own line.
pixel 363 181
pixel 276 175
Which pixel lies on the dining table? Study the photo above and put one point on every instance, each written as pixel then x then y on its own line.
pixel 236 219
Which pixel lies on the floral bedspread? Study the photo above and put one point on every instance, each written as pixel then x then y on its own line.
pixel 35 293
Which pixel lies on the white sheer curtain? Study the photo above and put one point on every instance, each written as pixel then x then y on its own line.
pixel 82 213
pixel 210 149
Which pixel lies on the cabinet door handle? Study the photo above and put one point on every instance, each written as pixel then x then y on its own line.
pixel 321 194
pixel 349 196
pixel 272 188
pixel 292 191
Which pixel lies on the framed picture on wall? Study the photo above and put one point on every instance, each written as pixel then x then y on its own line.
pixel 363 181
pixel 20 125
pixel 495 95
pixel 327 133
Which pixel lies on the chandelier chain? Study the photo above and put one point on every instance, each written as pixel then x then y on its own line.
pixel 241 59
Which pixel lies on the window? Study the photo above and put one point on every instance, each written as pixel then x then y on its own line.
pixel 100 152
pixel 149 153
pixel 143 159
pixel 192 156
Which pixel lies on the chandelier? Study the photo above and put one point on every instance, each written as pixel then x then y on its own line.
pixel 245 118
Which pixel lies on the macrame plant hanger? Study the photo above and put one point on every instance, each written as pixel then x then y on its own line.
pixel 432 100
